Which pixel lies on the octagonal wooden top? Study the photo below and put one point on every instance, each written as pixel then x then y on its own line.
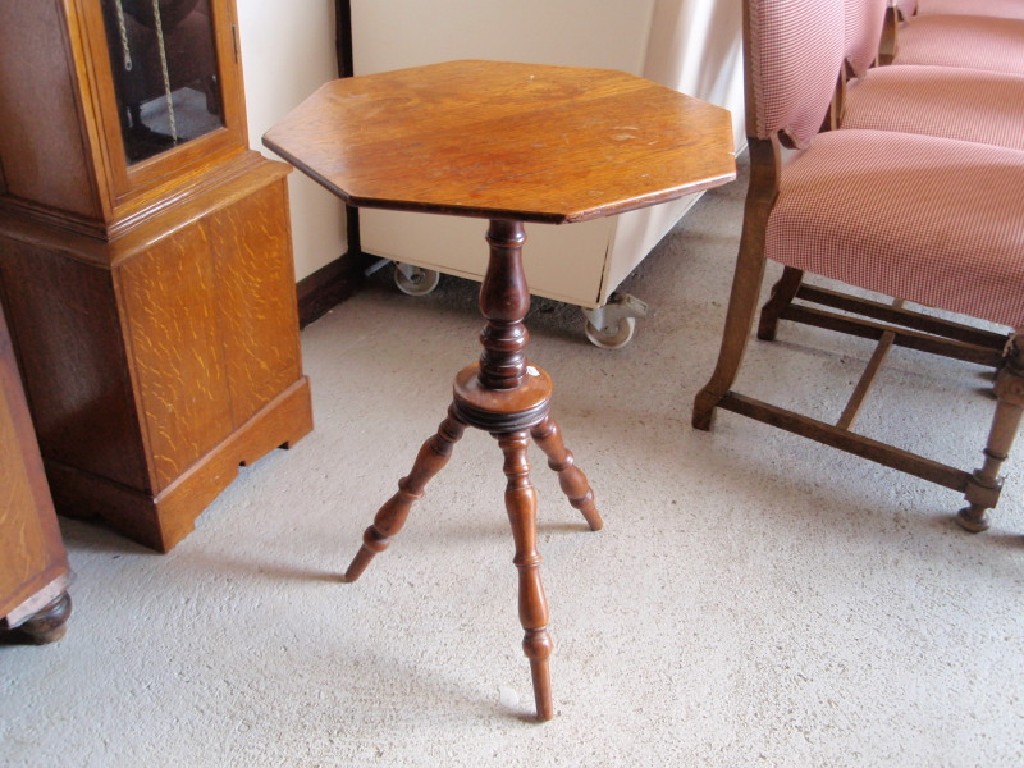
pixel 506 140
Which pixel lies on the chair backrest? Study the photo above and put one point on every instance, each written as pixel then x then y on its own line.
pixel 793 52
pixel 864 21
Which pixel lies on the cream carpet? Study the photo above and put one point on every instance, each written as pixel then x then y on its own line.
pixel 754 599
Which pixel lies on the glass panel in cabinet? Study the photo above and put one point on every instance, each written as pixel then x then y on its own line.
pixel 164 61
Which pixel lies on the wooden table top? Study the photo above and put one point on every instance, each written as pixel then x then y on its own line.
pixel 506 140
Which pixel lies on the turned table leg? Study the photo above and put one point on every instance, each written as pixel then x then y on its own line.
pixel 573 482
pixel 433 455
pixel 521 503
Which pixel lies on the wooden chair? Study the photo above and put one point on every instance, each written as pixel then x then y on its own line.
pixel 906 99
pixel 946 235
pixel 984 34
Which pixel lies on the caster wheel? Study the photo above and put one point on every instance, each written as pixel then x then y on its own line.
pixel 416 281
pixel 614 337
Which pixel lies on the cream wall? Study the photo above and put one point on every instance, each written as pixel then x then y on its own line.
pixel 695 46
pixel 288 51
pixel 562 32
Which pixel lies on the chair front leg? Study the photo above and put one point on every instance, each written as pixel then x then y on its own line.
pixel 765 166
pixel 985 485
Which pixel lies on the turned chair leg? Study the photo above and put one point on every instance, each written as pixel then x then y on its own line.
pixel 521 504
pixel 431 459
pixel 573 482
pixel 985 485
pixel 783 293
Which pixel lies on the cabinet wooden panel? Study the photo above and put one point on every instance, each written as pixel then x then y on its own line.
pixel 251 255
pixel 44 156
pixel 162 360
pixel 72 355
pixel 33 562
pixel 146 254
pixel 170 304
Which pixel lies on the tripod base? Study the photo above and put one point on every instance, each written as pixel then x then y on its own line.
pixel 513 416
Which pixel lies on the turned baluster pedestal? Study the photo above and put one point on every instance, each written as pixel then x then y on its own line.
pixel 505 396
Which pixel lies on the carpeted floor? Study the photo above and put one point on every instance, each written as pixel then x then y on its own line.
pixel 754 599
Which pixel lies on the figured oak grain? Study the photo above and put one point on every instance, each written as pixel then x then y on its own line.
pixel 63 313
pixel 250 249
pixel 153 306
pixel 169 296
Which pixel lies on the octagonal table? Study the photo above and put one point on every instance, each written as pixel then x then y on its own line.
pixel 511 143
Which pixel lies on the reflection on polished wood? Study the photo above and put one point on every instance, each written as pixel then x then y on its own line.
pixel 511 143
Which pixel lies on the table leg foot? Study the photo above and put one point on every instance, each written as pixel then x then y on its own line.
pixel 542 688
pixel 573 482
pixel 521 504
pixel 431 459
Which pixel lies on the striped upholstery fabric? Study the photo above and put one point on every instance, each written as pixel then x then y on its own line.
pixel 978 42
pixel 971 105
pixel 864 20
pixel 794 56
pixel 948 231
pixel 1007 9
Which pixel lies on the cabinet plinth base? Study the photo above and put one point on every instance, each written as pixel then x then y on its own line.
pixel 160 521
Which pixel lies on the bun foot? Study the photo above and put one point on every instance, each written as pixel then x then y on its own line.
pixel 45 626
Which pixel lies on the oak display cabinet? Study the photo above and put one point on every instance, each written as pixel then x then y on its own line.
pixel 145 258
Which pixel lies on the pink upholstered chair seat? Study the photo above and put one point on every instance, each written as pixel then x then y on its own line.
pixel 971 105
pixel 978 42
pixel 925 219
pixel 1007 9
